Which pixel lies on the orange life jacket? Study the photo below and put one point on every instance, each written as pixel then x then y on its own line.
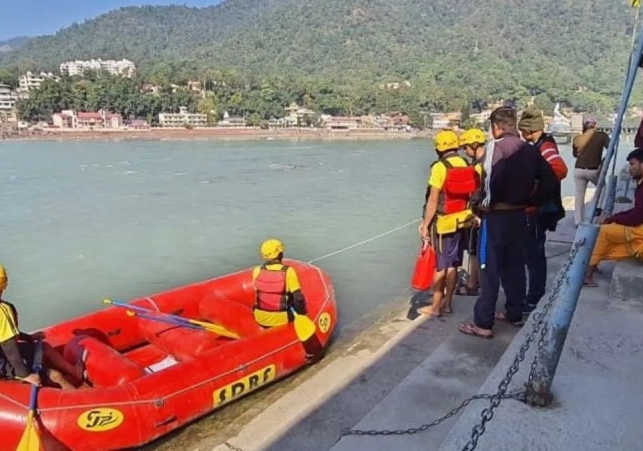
pixel 271 290
pixel 460 184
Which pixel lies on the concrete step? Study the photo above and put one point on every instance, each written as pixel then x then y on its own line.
pixel 452 373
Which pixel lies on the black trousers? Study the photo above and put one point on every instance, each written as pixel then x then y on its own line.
pixel 504 258
pixel 536 261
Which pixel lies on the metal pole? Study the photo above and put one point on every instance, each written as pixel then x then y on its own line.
pixel 636 20
pixel 612 147
pixel 539 389
pixel 629 63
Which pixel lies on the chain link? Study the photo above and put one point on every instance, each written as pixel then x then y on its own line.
pixel 232 447
pixel 426 426
pixel 538 321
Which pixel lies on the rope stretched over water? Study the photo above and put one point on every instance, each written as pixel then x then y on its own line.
pixel 361 243
pixel 397 229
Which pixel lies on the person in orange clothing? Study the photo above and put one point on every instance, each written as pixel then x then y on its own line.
pixel 542 219
pixel 621 236
pixel 18 350
pixel 277 288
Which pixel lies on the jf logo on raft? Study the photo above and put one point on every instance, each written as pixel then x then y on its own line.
pixel 100 420
pixel 244 385
pixel 324 322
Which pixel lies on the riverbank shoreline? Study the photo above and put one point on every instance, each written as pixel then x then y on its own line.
pixel 215 134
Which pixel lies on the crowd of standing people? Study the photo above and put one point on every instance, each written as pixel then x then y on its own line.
pixel 497 200
pixel 497 197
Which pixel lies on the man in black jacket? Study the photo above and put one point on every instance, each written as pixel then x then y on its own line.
pixel 540 220
pixel 515 177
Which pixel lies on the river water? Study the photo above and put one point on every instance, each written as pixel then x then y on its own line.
pixel 84 221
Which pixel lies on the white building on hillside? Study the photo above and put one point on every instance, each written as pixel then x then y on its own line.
pixel 8 98
pixel 183 118
pixel 123 67
pixel 30 81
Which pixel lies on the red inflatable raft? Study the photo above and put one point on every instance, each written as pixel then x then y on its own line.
pixel 150 378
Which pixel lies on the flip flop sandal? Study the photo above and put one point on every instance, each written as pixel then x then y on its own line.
pixel 429 314
pixel 470 330
pixel 502 317
pixel 590 284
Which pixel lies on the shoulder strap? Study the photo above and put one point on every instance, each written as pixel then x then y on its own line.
pixel 283 268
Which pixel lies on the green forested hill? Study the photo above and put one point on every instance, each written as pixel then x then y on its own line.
pixel 12 44
pixel 451 51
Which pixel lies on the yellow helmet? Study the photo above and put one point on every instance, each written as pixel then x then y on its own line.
pixel 4 279
pixel 473 136
pixel 270 249
pixel 446 140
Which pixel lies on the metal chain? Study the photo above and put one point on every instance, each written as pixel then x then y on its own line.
pixel 424 427
pixel 232 447
pixel 538 321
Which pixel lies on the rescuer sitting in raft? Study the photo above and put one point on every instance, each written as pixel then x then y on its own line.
pixel 472 142
pixel 447 211
pixel 17 350
pixel 277 288
pixel 621 236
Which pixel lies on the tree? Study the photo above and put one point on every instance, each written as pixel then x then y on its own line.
pixel 254 120
pixel 9 77
pixel 208 105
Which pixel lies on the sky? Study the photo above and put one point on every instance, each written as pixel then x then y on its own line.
pixel 38 17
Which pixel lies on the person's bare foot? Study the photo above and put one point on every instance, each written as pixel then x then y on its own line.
pixel 429 312
pixel 57 378
pixel 589 282
pixel 475 331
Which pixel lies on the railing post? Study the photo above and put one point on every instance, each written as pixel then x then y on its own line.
pixel 539 389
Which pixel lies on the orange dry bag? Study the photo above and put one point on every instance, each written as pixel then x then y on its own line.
pixel 424 268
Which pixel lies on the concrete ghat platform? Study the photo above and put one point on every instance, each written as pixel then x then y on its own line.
pixel 597 390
